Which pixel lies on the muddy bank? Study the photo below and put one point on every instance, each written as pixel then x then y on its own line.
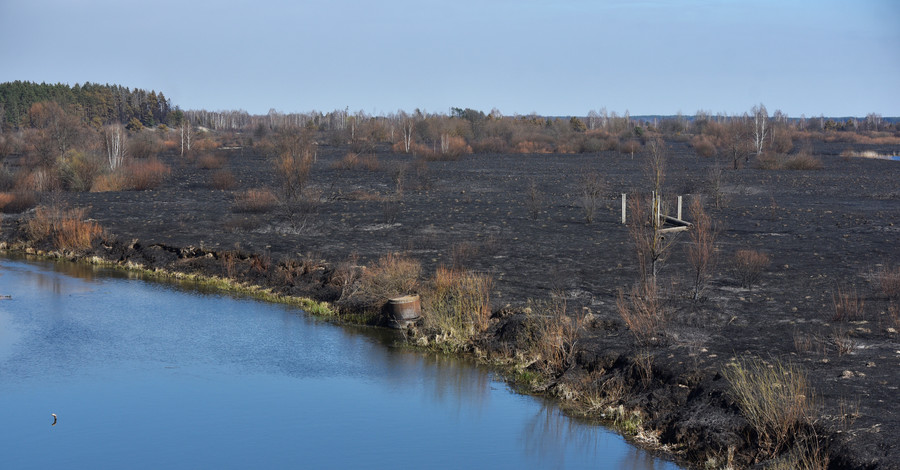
pixel 822 229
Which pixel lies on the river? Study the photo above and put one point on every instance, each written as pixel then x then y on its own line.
pixel 149 375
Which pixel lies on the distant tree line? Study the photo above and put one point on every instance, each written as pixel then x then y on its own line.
pixel 93 103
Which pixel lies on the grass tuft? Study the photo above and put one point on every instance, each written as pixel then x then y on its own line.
pixel 774 397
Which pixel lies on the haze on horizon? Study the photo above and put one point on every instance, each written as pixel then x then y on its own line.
pixel 832 58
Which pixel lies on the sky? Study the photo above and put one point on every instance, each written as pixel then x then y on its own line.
pixel 562 58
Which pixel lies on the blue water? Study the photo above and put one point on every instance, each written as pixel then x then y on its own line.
pixel 143 375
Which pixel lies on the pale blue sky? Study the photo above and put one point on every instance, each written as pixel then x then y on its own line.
pixel 561 57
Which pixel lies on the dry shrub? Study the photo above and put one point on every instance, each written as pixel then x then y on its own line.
pixel 842 341
pixel 260 263
pixel 463 254
pixel 452 147
pixel 204 145
pixel 66 228
pixel 40 179
pixel 350 161
pixel 848 306
pixel 534 200
pixel 592 189
pixel 893 311
pixel 702 249
pixel 292 172
pixel 363 195
pixel 555 335
pixel 529 146
pixel 457 305
pixel 748 266
pixel 346 275
pixel 802 161
pixel 491 144
pixel 210 161
pixel 144 175
pixel 393 275
pixel 354 160
pixel 776 399
pixel 171 145
pixel 78 169
pixel 223 179
pixel 642 311
pixel 768 161
pixel 808 453
pixel 703 145
pixel 143 145
pixel 17 201
pixel 254 201
pixel 629 147
pixel 782 141
pixel 889 282
pixel 110 182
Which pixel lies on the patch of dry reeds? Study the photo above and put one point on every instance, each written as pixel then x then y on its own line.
pixel 393 275
pixel 888 280
pixel 147 174
pixel 210 161
pixel 222 180
pixel 457 305
pixel 848 305
pixel 66 227
pixel 643 311
pixel 748 266
pixel 774 397
pixel 254 201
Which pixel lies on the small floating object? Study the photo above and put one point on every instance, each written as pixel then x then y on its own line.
pixel 5 297
pixel 404 310
pixel 54 419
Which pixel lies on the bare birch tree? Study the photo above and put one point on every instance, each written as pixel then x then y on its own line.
pixel 407 127
pixel 114 140
pixel 760 122
pixel 187 136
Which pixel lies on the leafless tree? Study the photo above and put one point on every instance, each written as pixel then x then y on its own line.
pixel 701 251
pixel 114 140
pixel 734 141
pixel 592 187
pixel 187 136
pixel 760 124
pixel 650 242
pixel 407 127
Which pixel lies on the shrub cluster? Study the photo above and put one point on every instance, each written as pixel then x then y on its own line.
pixel 65 227
pixel 254 201
pixel 748 266
pixel 457 304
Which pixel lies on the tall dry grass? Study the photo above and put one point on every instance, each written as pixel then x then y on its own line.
pixel 702 249
pixel 393 275
pixel 554 335
pixel 748 266
pixel 775 398
pixel 643 312
pixel 254 201
pixel 888 280
pixel 848 305
pixel 65 227
pixel 457 305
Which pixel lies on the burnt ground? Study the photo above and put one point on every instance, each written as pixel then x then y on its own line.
pixel 822 229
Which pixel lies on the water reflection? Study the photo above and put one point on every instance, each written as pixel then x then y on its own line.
pixel 143 372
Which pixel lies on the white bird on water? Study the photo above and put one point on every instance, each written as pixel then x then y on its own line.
pixel 54 419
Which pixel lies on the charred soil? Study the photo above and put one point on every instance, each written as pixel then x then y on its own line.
pixel 522 220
